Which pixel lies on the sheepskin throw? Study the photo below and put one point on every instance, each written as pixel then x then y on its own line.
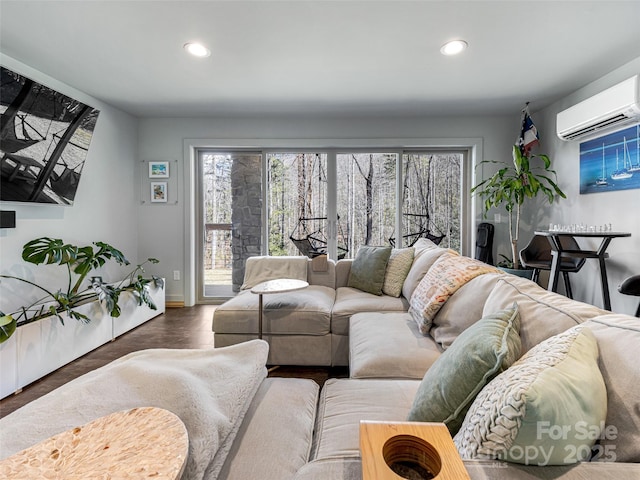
pixel 208 389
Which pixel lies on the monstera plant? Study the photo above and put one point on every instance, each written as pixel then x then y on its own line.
pixel 79 263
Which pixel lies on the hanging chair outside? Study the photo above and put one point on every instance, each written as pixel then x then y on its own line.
pixel 314 243
pixel 410 239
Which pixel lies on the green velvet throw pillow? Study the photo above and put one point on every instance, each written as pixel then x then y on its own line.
pixel 479 354
pixel 368 269
pixel 549 408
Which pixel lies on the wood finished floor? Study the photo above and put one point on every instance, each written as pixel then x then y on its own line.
pixel 188 327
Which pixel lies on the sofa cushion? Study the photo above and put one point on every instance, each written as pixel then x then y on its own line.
pixel 423 260
pixel 462 309
pixel 288 349
pixel 340 468
pixel 481 352
pixel 350 301
pixel 539 411
pixel 448 274
pixel 368 269
pixel 542 313
pixel 345 402
pixel 618 339
pixel 264 268
pixel 398 267
pixel 277 431
pixel 305 312
pixel 350 468
pixel 389 345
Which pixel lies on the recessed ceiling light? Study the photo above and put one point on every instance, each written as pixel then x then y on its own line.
pixel 197 49
pixel 454 47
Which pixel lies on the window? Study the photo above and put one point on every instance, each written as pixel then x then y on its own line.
pixel 310 201
pixel 431 197
pixel 297 203
pixel 366 206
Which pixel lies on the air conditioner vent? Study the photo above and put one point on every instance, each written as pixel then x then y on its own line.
pixel 614 107
pixel 583 132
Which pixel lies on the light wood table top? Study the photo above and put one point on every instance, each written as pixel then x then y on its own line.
pixel 140 443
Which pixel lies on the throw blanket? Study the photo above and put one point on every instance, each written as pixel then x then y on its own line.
pixel 450 272
pixel 262 269
pixel 209 390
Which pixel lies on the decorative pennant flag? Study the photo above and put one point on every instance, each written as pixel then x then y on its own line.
pixel 528 133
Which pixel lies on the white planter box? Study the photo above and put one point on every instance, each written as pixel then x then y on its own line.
pixel 39 348
pixel 47 345
pixel 9 366
pixel 133 315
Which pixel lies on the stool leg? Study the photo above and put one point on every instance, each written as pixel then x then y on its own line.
pixel 638 311
pixel 567 284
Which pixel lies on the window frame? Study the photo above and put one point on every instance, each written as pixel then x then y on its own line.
pixel 470 147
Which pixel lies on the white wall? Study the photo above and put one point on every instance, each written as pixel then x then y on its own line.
pixel 108 203
pixel 105 207
pixel 162 226
pixel 620 208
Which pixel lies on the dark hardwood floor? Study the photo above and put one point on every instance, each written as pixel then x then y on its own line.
pixel 188 327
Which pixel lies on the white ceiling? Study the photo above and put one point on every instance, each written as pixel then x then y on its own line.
pixel 322 57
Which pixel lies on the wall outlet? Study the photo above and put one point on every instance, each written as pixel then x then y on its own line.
pixel 497 218
pixel 176 274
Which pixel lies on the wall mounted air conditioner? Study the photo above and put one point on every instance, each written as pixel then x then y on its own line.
pixel 615 107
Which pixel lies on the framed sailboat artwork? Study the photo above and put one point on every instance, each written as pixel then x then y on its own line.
pixel 611 162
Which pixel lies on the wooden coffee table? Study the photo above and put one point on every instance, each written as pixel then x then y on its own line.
pixel 140 443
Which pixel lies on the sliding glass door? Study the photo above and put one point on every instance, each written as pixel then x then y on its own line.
pixel 281 202
pixel 365 200
pixel 432 197
pixel 297 204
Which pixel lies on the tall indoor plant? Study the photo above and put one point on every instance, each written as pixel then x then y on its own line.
pixel 527 176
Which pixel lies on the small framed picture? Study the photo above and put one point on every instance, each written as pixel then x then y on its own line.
pixel 158 169
pixel 159 192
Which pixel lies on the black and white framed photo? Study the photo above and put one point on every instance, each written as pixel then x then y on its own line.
pixel 44 141
pixel 158 169
pixel 159 192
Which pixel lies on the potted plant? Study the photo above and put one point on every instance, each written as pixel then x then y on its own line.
pixel 79 262
pixel 526 177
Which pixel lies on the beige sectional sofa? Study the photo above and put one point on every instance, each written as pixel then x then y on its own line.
pixel 306 327
pixel 283 428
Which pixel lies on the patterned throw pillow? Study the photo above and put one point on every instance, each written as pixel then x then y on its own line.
pixel 480 353
pixel 443 279
pixel 547 409
pixel 398 267
pixel 368 269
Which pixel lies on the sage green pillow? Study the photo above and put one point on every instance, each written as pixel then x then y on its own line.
pixel 547 409
pixel 479 354
pixel 398 267
pixel 368 269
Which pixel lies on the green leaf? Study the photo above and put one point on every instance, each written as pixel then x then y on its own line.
pixel 7 327
pixel 47 250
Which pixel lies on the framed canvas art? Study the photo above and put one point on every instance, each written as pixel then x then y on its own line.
pixel 44 141
pixel 611 162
